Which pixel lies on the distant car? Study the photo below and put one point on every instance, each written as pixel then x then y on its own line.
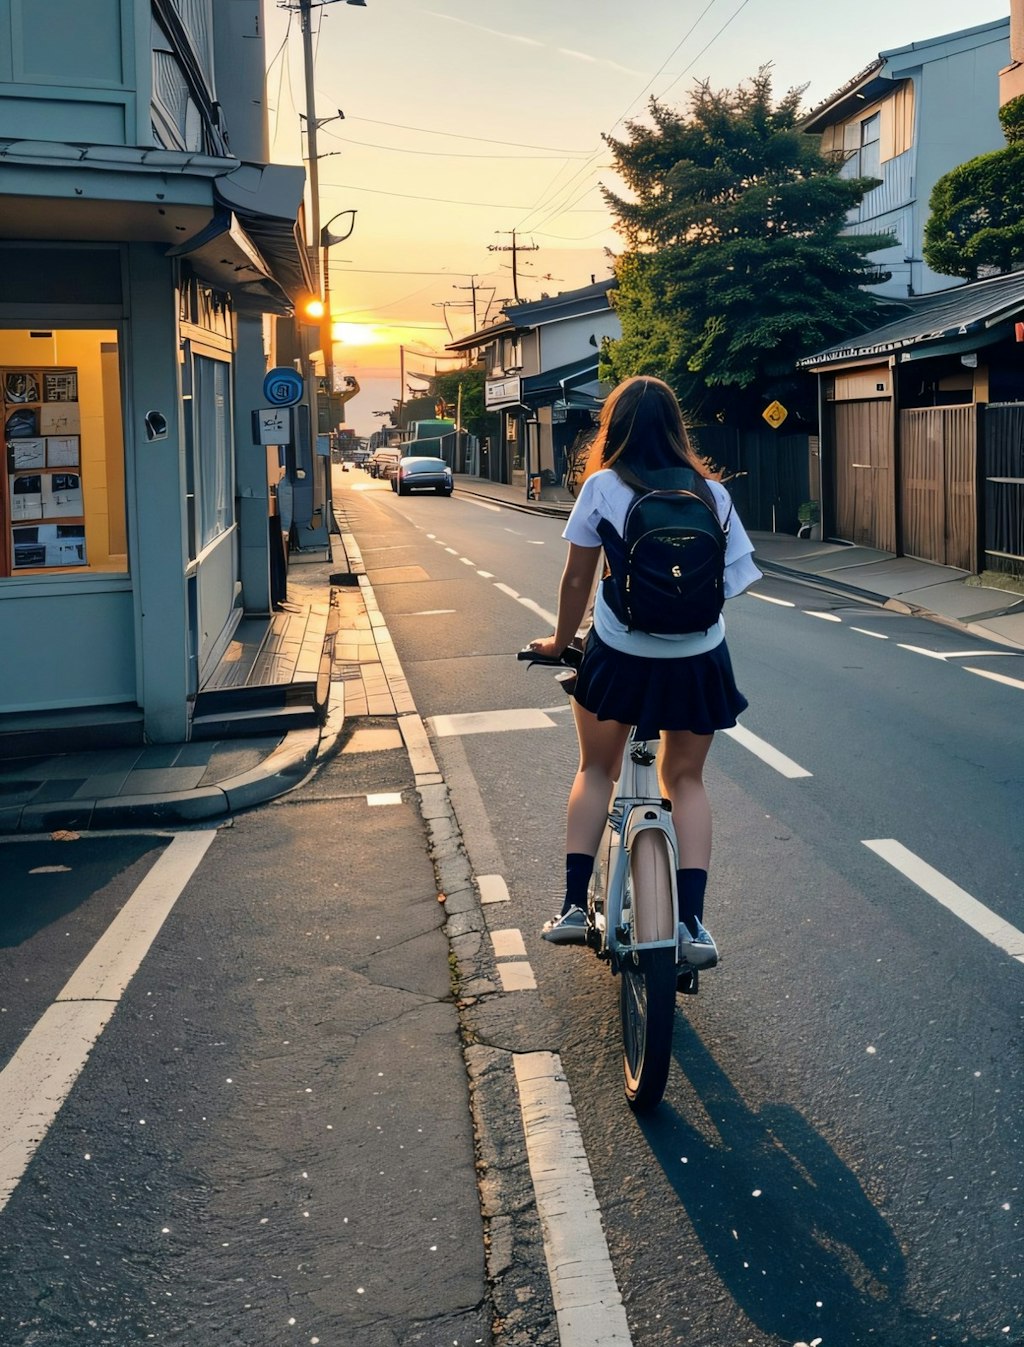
pixel 378 464
pixel 422 474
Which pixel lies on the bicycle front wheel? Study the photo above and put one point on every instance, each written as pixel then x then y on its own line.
pixel 647 1009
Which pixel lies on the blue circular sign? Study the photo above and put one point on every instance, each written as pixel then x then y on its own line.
pixel 283 386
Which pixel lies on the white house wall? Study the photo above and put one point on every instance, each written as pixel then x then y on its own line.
pixel 562 343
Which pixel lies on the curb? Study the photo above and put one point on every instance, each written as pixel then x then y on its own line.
pixel 514 1251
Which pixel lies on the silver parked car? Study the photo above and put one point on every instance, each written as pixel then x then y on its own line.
pixel 422 474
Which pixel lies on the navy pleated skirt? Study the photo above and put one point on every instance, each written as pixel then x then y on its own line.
pixel 696 693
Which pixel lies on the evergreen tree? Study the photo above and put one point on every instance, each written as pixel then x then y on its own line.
pixel 977 209
pixel 736 264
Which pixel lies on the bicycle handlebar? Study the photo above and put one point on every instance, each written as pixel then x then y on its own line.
pixel 569 658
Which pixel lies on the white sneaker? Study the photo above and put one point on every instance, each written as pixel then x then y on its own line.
pixel 570 928
pixel 699 951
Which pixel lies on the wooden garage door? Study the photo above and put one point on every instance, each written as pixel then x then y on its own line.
pixel 862 433
pixel 938 476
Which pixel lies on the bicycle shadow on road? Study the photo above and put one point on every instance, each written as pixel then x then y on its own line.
pixel 784 1223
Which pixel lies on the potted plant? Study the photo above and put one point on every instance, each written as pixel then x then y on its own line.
pixel 809 515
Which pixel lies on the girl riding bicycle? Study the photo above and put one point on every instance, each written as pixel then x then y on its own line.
pixel 681 684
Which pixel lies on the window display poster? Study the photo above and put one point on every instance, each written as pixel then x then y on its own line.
pixel 60 385
pixel 27 496
pixel 62 495
pixel 20 387
pixel 28 454
pixel 59 418
pixel 22 424
pixel 61 452
pixel 49 545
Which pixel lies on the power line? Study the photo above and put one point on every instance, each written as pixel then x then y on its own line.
pixel 441 200
pixel 443 154
pixel 584 167
pixel 461 135
pixel 704 49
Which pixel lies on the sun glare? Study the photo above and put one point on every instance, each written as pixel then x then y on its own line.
pixel 359 334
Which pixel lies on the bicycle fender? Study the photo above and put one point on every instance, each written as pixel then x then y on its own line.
pixel 648 836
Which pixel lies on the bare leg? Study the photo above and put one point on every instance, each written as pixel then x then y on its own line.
pixel 601 745
pixel 682 776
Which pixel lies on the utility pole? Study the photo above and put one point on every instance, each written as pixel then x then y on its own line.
pixel 311 130
pixel 514 248
pixel 471 287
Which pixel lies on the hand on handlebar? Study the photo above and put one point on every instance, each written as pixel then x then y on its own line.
pixel 545 647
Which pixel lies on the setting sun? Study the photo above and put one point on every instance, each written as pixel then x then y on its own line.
pixel 361 334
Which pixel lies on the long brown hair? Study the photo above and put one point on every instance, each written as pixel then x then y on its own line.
pixel 641 430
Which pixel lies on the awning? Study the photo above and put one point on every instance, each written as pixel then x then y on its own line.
pixel 555 385
pixel 239 224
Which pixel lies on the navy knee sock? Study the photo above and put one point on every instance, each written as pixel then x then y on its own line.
pixel 578 869
pixel 690 885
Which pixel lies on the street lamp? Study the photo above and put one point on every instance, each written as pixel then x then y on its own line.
pixel 327 240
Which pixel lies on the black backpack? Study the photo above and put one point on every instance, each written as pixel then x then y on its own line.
pixel 666 573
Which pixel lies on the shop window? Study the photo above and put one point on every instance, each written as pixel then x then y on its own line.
pixel 212 467
pixel 62 498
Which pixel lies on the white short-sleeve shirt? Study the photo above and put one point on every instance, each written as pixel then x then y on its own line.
pixel 604 495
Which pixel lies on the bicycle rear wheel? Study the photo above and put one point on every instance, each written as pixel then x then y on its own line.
pixel 647 1009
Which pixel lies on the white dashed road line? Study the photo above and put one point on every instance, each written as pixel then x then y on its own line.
pixel 876 634
pixel 825 617
pixel 955 899
pixel 490 722
pixel 493 889
pixel 785 766
pixel 767 598
pixel 996 678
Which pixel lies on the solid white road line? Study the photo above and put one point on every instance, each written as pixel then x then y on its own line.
pixel 587 1300
pixel 996 678
pixel 39 1077
pixel 483 504
pixel 772 756
pixel 507 589
pixel 951 896
pixel 957 654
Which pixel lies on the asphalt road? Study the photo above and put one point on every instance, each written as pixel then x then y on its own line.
pixel 270 1142
pixel 838 1158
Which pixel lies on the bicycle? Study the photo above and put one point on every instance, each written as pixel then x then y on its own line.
pixel 632 922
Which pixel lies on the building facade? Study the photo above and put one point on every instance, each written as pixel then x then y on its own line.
pixel 144 241
pixel 912 115
pixel 542 362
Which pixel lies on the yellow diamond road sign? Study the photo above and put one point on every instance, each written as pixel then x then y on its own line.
pixel 775 414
